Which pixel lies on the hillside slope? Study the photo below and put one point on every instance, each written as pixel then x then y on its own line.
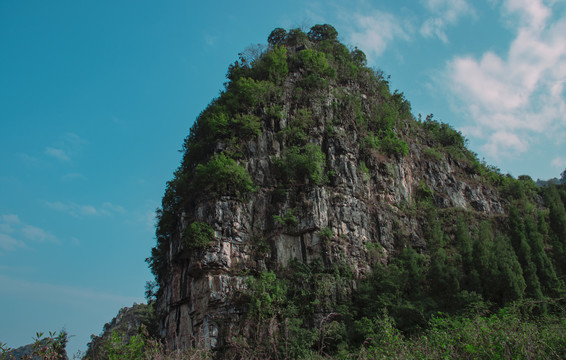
pixel 309 194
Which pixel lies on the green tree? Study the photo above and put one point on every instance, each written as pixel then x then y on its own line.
pixel 510 283
pixel 557 222
pixel 550 284
pixel 522 249
pixel 485 263
pixel 266 295
pixel 274 64
pixel 322 32
pixel 277 37
pixel 198 235
pixel 306 163
pixel 221 175
pixel 442 277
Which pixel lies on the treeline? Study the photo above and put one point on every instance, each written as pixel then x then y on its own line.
pixel 482 288
pixel 503 274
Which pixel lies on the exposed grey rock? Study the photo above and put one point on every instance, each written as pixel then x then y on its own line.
pixel 196 303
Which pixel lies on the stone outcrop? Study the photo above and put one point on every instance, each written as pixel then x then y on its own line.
pixel 367 203
pixel 126 324
pixel 359 208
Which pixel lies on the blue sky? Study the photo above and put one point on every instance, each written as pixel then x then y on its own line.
pixel 96 98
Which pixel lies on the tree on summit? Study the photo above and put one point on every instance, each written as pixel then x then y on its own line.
pixel 322 32
pixel 277 37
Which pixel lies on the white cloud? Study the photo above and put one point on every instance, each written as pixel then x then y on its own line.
pixel 147 219
pixel 78 210
pixel 36 234
pixel 8 243
pixel 59 154
pixel 532 13
pixel 72 208
pixel 60 293
pixel 68 145
pixel 30 160
pixel 515 99
pixel 16 234
pixel 109 209
pixel 376 30
pixel 444 13
pixel 559 162
pixel 11 219
pixel 505 144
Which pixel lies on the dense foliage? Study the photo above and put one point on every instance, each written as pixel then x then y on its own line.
pixel 45 346
pixel 197 235
pixel 314 62
pixel 503 275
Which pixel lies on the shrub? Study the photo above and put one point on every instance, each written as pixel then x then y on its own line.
pixel 274 112
pixel 50 347
pixel 246 93
pixel 313 82
pixel 296 132
pixel 118 349
pixel 444 133
pixel 326 234
pixel 388 116
pixel 274 64
pixel 424 193
pixel 392 145
pixel 433 154
pixel 221 175
pixel 246 126
pixel 317 63
pixel 304 163
pixel 365 171
pixel 198 235
pixel 288 219
pixel 266 295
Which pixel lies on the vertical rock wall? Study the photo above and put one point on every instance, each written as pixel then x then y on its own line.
pixel 196 305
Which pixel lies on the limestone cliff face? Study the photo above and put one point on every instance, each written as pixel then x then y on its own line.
pixel 366 203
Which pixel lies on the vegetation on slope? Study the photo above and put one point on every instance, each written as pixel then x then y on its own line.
pixel 426 298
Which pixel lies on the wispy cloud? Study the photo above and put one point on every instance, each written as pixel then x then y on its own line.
pixel 64 149
pixel 29 160
pixel 559 162
pixel 15 234
pixel 444 13
pixel 109 209
pixel 58 154
pixel 514 99
pixel 60 293
pixel 374 31
pixel 72 208
pixel 209 40
pixel 80 210
pixel 36 234
pixel 8 243
pixel 147 220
